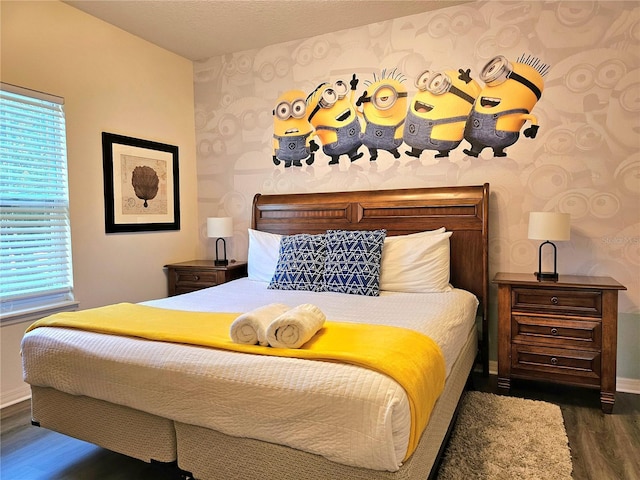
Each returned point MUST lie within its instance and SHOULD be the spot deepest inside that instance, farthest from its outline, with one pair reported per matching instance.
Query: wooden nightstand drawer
(542, 362)
(558, 331)
(571, 302)
(185, 277)
(198, 278)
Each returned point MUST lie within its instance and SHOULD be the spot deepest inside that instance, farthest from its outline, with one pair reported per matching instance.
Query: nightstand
(194, 275)
(564, 331)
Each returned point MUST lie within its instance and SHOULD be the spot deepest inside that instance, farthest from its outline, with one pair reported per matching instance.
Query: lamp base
(547, 276)
(218, 262)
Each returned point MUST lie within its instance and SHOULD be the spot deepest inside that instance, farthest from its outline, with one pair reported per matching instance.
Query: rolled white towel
(251, 327)
(295, 327)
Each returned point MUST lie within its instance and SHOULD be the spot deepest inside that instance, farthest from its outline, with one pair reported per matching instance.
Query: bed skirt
(115, 427)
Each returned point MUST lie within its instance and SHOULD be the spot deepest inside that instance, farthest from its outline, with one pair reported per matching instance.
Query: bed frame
(207, 454)
(462, 210)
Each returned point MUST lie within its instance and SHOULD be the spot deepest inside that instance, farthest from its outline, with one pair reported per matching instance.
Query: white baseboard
(15, 395)
(626, 385)
(493, 367)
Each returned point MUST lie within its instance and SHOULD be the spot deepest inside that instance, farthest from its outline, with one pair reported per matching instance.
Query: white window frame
(36, 272)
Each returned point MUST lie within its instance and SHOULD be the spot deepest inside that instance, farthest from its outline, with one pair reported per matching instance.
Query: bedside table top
(573, 281)
(207, 264)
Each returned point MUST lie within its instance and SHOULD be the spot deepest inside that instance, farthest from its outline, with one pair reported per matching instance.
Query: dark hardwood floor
(603, 447)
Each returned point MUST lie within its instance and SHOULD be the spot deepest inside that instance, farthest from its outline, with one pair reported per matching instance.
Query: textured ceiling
(200, 29)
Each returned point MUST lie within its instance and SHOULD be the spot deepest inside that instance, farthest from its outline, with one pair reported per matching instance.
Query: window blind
(35, 236)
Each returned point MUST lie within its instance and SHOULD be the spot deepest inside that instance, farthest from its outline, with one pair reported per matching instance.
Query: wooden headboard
(461, 210)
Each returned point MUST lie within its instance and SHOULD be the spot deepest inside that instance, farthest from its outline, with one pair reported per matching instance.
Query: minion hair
(535, 63)
(393, 74)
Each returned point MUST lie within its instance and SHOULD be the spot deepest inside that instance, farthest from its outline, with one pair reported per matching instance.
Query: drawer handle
(554, 361)
(554, 331)
(554, 300)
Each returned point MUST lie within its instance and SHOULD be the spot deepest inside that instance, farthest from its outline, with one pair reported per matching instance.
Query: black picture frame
(141, 185)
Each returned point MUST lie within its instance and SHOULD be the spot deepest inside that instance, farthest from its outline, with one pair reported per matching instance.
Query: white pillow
(416, 235)
(263, 253)
(416, 263)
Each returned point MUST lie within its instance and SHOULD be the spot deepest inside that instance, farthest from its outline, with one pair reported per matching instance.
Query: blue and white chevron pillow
(300, 263)
(353, 261)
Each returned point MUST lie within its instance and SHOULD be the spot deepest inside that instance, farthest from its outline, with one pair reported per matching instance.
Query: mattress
(348, 414)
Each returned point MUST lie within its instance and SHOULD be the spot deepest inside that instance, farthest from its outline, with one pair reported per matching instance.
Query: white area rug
(502, 438)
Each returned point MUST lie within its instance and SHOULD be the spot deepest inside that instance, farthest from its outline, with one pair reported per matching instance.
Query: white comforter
(346, 413)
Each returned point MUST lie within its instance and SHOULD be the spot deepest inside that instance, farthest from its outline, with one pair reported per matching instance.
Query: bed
(159, 401)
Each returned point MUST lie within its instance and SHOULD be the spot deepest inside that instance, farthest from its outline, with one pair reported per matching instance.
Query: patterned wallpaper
(584, 160)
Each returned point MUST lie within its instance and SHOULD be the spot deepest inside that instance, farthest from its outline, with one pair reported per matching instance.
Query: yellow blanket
(410, 358)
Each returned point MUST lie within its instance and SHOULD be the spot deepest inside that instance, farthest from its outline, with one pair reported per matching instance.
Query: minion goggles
(296, 109)
(330, 96)
(439, 84)
(373, 98)
(499, 69)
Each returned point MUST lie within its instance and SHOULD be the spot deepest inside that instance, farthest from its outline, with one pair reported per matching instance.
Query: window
(35, 238)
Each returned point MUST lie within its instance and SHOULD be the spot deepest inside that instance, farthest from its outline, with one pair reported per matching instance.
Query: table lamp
(220, 227)
(548, 226)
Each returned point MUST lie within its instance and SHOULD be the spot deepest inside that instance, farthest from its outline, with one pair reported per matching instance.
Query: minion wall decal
(384, 112)
(438, 111)
(333, 115)
(292, 131)
(449, 106)
(504, 104)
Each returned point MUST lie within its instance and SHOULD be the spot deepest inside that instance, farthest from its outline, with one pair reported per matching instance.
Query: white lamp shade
(549, 226)
(218, 227)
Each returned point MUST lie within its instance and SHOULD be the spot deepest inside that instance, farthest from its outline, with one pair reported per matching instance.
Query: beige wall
(115, 82)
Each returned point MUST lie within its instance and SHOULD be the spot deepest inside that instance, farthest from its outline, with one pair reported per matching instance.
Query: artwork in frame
(141, 191)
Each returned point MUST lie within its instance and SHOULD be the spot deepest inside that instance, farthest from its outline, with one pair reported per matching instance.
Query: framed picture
(140, 185)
